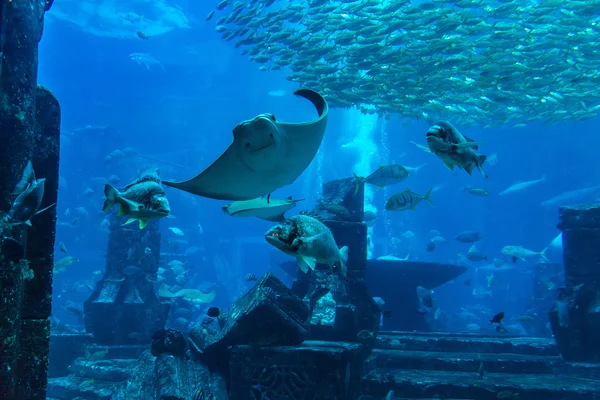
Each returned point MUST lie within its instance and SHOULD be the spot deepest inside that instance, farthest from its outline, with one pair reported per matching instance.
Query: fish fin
(121, 211)
(111, 196)
(289, 198)
(27, 177)
(44, 209)
(143, 223)
(466, 145)
(306, 263)
(27, 223)
(480, 160)
(449, 165)
(359, 180)
(344, 261)
(469, 168)
(129, 221)
(467, 188)
(426, 197)
(543, 254)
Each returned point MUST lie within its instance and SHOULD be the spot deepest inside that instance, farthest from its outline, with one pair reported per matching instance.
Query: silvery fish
(383, 176)
(310, 241)
(454, 149)
(406, 200)
(30, 193)
(142, 199)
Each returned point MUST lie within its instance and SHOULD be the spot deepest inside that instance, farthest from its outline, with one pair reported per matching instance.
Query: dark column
(349, 308)
(575, 316)
(29, 130)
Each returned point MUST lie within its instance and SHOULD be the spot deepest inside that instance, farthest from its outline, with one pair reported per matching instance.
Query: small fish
(525, 318)
(389, 395)
(521, 253)
(142, 35)
(430, 248)
(477, 191)
(30, 193)
(213, 312)
(142, 200)
(201, 394)
(469, 237)
(250, 277)
(406, 200)
(62, 247)
(383, 176)
(497, 319)
(176, 231)
(521, 185)
(475, 256)
(267, 209)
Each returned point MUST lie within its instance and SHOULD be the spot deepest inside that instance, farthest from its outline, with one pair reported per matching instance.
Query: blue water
(184, 114)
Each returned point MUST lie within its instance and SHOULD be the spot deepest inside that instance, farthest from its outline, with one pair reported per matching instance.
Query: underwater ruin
(322, 336)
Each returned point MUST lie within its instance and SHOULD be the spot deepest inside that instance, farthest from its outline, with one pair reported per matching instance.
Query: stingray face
(259, 137)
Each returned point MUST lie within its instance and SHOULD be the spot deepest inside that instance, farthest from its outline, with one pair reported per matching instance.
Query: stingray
(265, 155)
(267, 209)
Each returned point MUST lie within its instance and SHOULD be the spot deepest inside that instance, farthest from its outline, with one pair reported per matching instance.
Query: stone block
(312, 370)
(341, 201)
(269, 314)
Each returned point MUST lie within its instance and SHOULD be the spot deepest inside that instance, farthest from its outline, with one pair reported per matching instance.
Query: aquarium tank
(299, 199)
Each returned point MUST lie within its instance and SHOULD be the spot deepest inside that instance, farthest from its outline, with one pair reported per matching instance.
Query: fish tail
(467, 188)
(344, 261)
(543, 254)
(426, 197)
(359, 180)
(111, 197)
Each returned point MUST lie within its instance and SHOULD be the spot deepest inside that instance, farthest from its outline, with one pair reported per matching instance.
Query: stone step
(462, 362)
(582, 370)
(71, 387)
(422, 384)
(114, 370)
(466, 343)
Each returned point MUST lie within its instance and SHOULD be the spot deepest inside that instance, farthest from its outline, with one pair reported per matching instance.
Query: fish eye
(272, 117)
(270, 134)
(248, 144)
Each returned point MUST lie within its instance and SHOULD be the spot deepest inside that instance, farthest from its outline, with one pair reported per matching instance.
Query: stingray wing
(228, 178)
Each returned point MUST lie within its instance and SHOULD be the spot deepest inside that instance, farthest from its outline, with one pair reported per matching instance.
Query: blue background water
(195, 105)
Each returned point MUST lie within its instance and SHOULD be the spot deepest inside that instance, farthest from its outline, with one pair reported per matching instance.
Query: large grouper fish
(141, 200)
(311, 242)
(265, 155)
(454, 149)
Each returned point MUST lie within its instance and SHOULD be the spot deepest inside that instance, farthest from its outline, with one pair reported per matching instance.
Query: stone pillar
(348, 308)
(124, 308)
(575, 316)
(29, 130)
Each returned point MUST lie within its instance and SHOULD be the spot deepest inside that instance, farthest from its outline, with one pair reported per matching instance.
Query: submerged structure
(276, 342)
(29, 131)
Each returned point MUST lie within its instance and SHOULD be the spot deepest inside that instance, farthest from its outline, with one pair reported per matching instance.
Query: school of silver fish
(476, 62)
